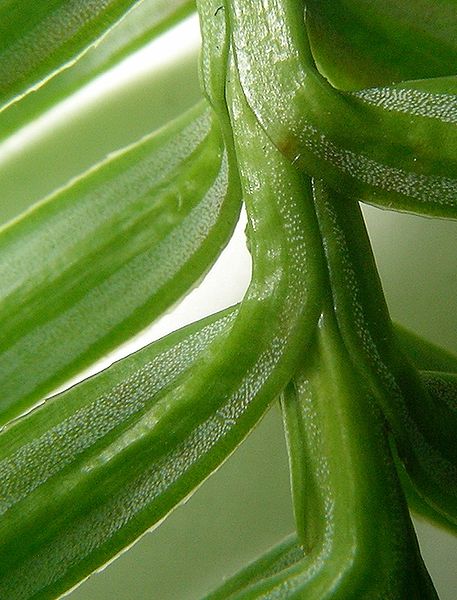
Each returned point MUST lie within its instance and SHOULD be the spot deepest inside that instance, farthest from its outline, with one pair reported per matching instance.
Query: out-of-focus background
(245, 507)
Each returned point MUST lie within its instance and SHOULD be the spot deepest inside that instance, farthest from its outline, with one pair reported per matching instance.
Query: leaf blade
(184, 431)
(122, 243)
(139, 26)
(367, 44)
(393, 159)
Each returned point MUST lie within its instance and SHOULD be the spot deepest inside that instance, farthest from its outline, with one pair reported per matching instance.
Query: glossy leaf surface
(139, 26)
(89, 471)
(124, 472)
(359, 44)
(102, 257)
(423, 425)
(394, 148)
(40, 39)
(355, 537)
(38, 160)
(72, 494)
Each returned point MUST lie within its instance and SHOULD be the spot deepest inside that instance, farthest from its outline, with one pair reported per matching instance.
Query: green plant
(300, 130)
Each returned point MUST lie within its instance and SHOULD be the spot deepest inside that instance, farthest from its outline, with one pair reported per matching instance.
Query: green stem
(398, 159)
(423, 425)
(65, 518)
(356, 538)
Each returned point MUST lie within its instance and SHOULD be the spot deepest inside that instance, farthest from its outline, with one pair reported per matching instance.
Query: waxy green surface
(139, 26)
(359, 44)
(422, 423)
(394, 147)
(119, 245)
(181, 435)
(355, 538)
(42, 38)
(92, 469)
